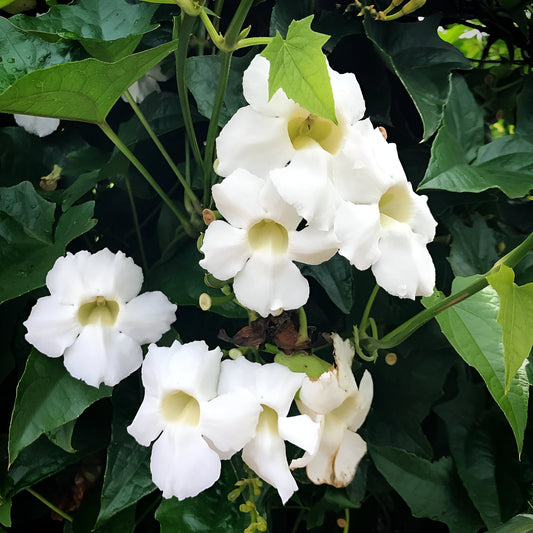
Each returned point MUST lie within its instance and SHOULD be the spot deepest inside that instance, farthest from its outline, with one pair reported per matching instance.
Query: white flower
(191, 423)
(267, 134)
(335, 397)
(95, 317)
(258, 244)
(40, 126)
(274, 386)
(390, 235)
(147, 84)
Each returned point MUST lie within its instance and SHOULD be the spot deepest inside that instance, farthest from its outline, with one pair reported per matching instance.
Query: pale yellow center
(395, 206)
(99, 311)
(269, 237)
(268, 421)
(305, 130)
(180, 407)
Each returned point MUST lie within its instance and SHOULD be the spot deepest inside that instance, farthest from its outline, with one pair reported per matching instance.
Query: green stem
(189, 192)
(213, 123)
(302, 329)
(347, 521)
(104, 126)
(234, 29)
(136, 222)
(185, 30)
(50, 505)
(217, 39)
(366, 313)
(406, 329)
(252, 41)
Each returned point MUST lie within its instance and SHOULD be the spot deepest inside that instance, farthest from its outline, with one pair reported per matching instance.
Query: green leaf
(41, 459)
(181, 278)
(521, 523)
(431, 490)
(127, 476)
(473, 249)
(21, 54)
(27, 250)
(298, 66)
(62, 436)
(336, 278)
(5, 512)
(472, 449)
(400, 411)
(47, 397)
(515, 318)
(464, 178)
(107, 30)
(472, 329)
(504, 163)
(73, 91)
(210, 511)
(202, 79)
(425, 71)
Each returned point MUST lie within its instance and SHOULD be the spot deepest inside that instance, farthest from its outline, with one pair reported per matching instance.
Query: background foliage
(449, 444)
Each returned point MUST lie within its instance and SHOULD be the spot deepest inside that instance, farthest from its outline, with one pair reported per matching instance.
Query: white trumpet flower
(274, 387)
(269, 132)
(258, 244)
(188, 421)
(96, 318)
(335, 398)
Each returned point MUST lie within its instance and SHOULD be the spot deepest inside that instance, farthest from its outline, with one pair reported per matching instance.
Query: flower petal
(344, 354)
(275, 208)
(255, 142)
(191, 368)
(114, 276)
(350, 452)
(304, 183)
(146, 317)
(236, 374)
(102, 354)
(358, 229)
(267, 284)
(312, 246)
(277, 385)
(349, 102)
(421, 222)
(148, 422)
(405, 268)
(65, 280)
(143, 87)
(364, 400)
(238, 198)
(266, 456)
(40, 126)
(320, 464)
(52, 327)
(182, 463)
(322, 395)
(255, 89)
(229, 420)
(301, 431)
(225, 248)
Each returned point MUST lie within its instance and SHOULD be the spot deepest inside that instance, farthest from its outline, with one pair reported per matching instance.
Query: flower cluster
(197, 409)
(293, 177)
